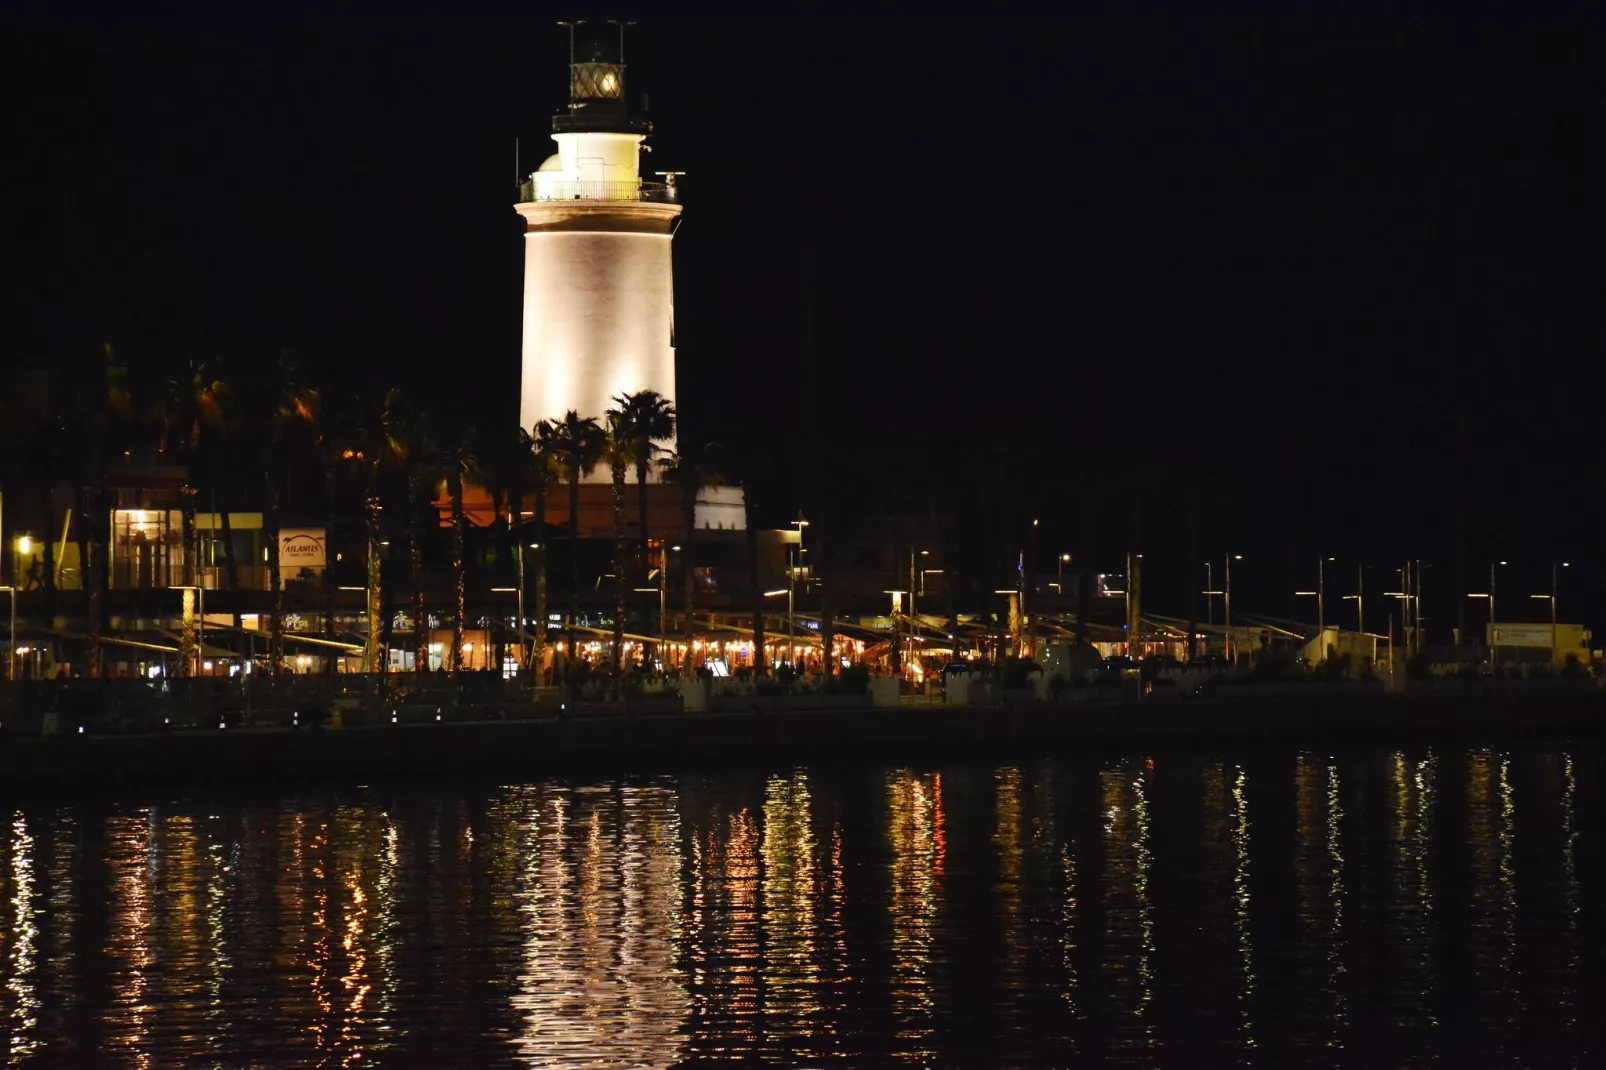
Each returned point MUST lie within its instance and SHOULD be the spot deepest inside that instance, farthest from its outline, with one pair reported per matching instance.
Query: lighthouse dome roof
(552, 163)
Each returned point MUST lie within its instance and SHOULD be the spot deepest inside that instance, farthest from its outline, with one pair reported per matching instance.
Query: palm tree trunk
(501, 514)
(186, 495)
(688, 522)
(371, 652)
(758, 597)
(86, 574)
(415, 569)
(504, 569)
(50, 576)
(618, 470)
(1085, 589)
(538, 650)
(231, 567)
(230, 563)
(96, 569)
(515, 554)
(574, 562)
(186, 634)
(47, 582)
(387, 606)
(454, 488)
(827, 619)
(275, 579)
(331, 489)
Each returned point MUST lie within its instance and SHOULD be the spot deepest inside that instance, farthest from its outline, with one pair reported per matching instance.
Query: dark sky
(1281, 259)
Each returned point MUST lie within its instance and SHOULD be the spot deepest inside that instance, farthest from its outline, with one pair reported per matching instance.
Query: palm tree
(649, 418)
(545, 467)
(106, 416)
(619, 449)
(377, 442)
(190, 408)
(288, 410)
(502, 467)
(691, 470)
(758, 588)
(418, 482)
(578, 443)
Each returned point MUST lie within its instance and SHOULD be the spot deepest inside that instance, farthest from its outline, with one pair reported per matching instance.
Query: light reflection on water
(1281, 909)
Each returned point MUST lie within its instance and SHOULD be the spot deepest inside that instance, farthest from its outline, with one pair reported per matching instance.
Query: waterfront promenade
(524, 738)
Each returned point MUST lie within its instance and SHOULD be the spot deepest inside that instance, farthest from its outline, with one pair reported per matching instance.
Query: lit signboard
(301, 548)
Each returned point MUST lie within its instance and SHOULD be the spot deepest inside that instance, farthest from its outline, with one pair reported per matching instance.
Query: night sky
(1276, 263)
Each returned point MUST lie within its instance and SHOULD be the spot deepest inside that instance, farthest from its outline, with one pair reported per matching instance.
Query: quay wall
(586, 740)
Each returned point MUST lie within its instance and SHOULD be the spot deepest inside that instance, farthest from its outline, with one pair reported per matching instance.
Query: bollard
(884, 691)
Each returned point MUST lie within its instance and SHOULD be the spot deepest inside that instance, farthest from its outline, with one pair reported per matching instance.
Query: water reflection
(1319, 864)
(1570, 890)
(22, 980)
(1129, 926)
(599, 911)
(914, 906)
(1490, 818)
(1238, 822)
(792, 961)
(1304, 909)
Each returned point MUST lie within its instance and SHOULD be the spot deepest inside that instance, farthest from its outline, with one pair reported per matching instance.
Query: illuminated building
(598, 279)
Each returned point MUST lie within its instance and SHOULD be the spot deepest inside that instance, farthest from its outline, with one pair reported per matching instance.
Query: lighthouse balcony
(654, 192)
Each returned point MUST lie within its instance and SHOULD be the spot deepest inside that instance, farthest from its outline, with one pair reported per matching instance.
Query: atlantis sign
(301, 548)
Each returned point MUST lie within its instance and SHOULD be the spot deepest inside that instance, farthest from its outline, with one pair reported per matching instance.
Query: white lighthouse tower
(599, 309)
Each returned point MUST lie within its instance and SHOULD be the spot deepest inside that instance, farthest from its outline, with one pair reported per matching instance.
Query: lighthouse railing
(657, 192)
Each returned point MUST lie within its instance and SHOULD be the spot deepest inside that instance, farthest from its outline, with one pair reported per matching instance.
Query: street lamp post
(518, 564)
(1410, 589)
(788, 592)
(1321, 600)
(372, 624)
(1232, 647)
(11, 649)
(914, 609)
(897, 627)
(661, 612)
(1491, 590)
(1320, 594)
(800, 523)
(1410, 596)
(1359, 600)
(1551, 597)
(1404, 595)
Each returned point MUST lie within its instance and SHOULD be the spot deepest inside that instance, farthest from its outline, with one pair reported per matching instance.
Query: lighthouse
(599, 308)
